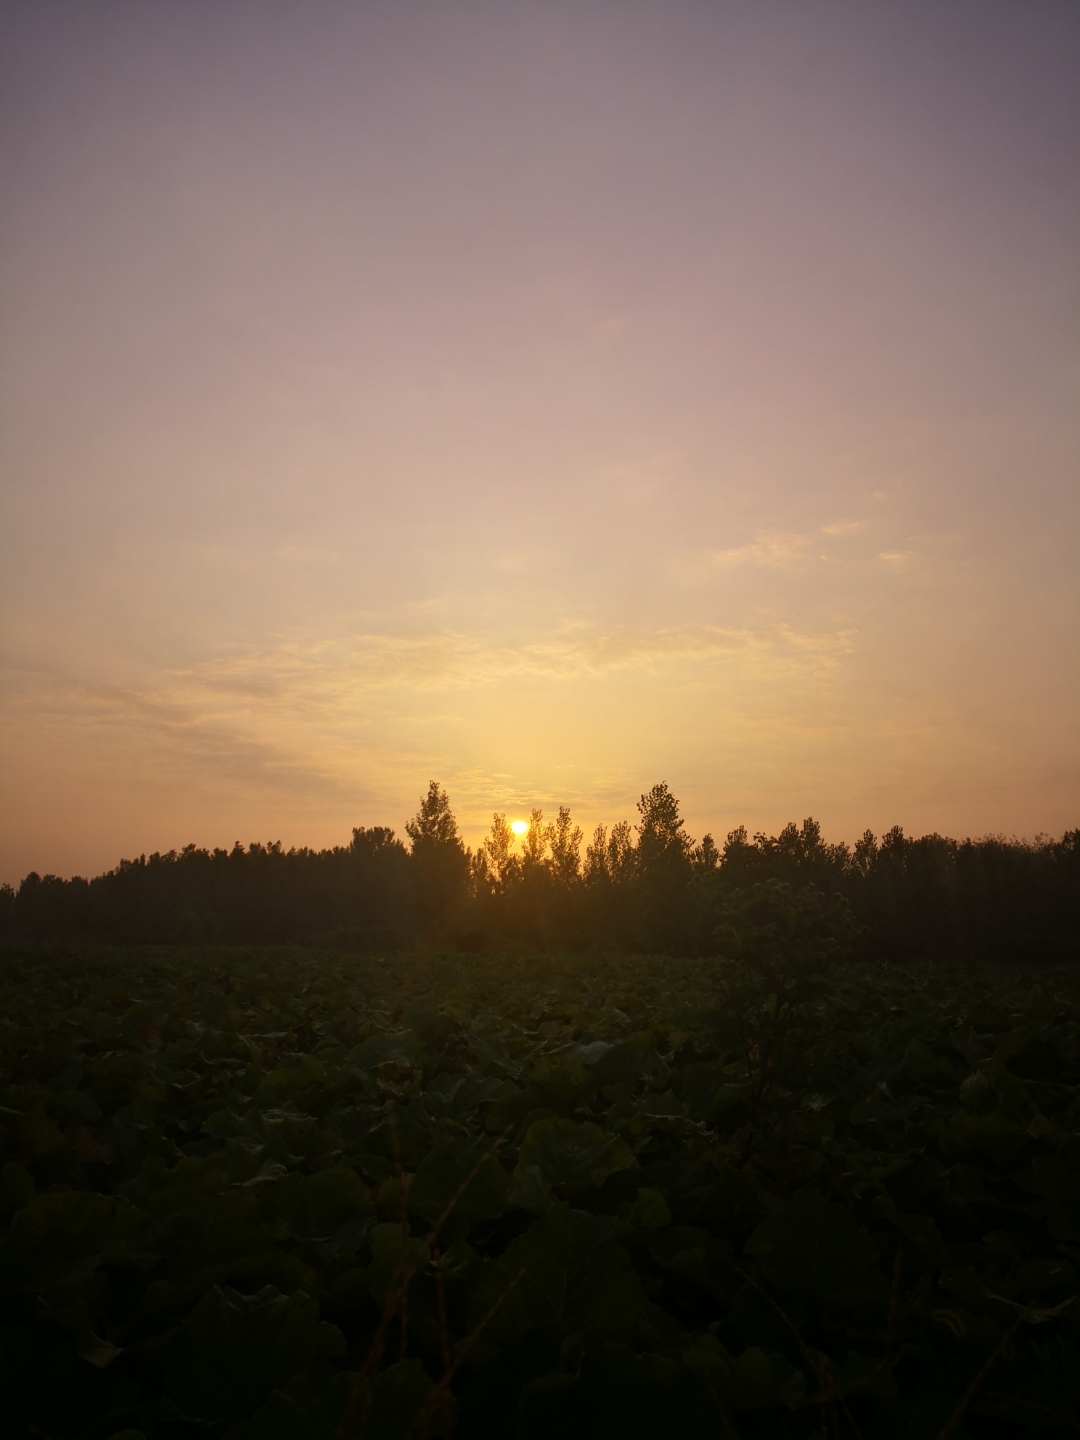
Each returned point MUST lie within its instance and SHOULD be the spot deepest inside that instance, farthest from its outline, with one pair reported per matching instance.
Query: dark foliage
(644, 888)
(775, 1194)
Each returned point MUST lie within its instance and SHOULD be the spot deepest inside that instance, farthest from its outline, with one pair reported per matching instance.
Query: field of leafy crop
(280, 1193)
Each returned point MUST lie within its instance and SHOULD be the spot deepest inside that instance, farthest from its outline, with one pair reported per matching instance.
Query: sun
(519, 826)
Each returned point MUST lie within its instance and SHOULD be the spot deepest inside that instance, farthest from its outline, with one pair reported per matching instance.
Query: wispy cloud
(167, 726)
(449, 660)
(896, 558)
(776, 550)
(843, 527)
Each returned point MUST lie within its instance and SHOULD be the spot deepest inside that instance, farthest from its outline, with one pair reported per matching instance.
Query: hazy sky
(550, 398)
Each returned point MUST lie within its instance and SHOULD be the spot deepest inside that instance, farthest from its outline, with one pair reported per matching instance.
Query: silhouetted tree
(564, 840)
(440, 864)
(380, 884)
(502, 866)
(663, 868)
(535, 842)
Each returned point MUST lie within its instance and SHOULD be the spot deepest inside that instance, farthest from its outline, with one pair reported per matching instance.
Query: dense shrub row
(644, 888)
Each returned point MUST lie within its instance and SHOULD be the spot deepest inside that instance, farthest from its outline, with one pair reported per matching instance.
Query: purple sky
(546, 398)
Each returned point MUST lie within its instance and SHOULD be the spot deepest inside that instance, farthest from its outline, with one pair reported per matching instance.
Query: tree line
(644, 887)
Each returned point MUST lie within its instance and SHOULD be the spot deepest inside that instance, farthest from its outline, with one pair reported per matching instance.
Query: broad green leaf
(620, 1064)
(810, 1246)
(650, 1210)
(388, 1410)
(396, 1257)
(39, 1133)
(431, 1027)
(923, 1235)
(568, 1153)
(400, 1048)
(994, 1136)
(439, 1093)
(16, 1186)
(290, 1413)
(400, 1393)
(491, 1051)
(565, 1273)
(529, 1191)
(60, 1237)
(755, 1380)
(482, 1090)
(227, 1125)
(331, 1205)
(233, 1350)
(288, 1080)
(695, 1258)
(438, 1186)
(1057, 1179)
(513, 1108)
(864, 1376)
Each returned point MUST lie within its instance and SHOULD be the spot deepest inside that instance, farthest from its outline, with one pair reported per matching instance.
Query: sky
(545, 398)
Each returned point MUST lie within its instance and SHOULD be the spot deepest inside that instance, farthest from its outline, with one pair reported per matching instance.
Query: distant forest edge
(637, 888)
